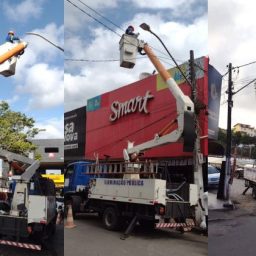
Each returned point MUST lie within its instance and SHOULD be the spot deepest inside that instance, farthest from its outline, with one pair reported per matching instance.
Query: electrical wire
(244, 65)
(105, 24)
(101, 15)
(240, 89)
(88, 14)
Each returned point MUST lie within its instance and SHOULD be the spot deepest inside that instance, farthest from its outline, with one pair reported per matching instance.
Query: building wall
(105, 137)
(244, 128)
(51, 150)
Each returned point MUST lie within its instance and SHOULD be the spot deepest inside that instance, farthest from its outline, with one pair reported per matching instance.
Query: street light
(146, 27)
(35, 34)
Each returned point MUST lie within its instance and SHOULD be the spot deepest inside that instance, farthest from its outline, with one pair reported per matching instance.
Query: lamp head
(145, 26)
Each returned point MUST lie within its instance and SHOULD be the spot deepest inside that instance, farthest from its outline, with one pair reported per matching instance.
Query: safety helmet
(10, 32)
(131, 27)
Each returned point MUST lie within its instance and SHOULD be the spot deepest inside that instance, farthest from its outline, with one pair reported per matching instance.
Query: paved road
(232, 233)
(89, 238)
(56, 247)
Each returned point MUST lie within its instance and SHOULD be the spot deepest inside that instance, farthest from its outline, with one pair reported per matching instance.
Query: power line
(111, 60)
(244, 86)
(103, 23)
(244, 65)
(88, 14)
(240, 66)
(101, 15)
(118, 33)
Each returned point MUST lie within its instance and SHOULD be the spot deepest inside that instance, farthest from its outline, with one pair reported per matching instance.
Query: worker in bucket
(11, 38)
(130, 31)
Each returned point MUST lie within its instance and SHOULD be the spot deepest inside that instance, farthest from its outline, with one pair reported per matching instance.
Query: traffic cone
(70, 220)
(59, 219)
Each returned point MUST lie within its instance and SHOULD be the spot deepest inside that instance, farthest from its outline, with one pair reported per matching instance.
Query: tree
(222, 136)
(236, 137)
(16, 129)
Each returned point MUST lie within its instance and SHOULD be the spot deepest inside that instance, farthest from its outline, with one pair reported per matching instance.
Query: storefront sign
(120, 109)
(74, 133)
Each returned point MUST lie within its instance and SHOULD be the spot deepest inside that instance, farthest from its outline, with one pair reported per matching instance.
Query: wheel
(254, 192)
(147, 224)
(111, 218)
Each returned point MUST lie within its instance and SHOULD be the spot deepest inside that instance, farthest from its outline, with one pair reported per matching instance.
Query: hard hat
(11, 32)
(131, 27)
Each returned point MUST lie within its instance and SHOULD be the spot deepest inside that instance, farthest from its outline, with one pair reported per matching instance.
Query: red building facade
(138, 111)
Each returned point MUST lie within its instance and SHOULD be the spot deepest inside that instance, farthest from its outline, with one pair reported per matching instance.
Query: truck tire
(147, 224)
(111, 218)
(76, 205)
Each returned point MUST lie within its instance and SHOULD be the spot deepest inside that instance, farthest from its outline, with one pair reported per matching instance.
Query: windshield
(212, 170)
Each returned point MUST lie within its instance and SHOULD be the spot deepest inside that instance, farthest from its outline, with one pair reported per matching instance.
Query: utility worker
(130, 31)
(11, 37)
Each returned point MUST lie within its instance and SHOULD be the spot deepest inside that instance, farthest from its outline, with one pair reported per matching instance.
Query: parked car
(213, 176)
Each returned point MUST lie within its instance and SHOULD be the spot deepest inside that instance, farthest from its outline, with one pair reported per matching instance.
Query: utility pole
(197, 156)
(229, 133)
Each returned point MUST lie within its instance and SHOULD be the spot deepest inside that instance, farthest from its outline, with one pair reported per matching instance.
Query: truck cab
(77, 179)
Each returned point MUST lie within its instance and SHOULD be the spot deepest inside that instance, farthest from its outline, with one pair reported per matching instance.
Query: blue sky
(37, 88)
(182, 25)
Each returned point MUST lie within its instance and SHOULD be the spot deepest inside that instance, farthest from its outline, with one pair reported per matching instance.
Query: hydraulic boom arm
(129, 46)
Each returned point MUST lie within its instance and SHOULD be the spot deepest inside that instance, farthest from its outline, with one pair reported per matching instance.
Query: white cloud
(75, 20)
(53, 129)
(39, 48)
(13, 99)
(45, 84)
(163, 4)
(39, 71)
(91, 79)
(23, 11)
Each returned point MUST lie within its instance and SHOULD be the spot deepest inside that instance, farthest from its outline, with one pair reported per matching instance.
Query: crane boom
(129, 46)
(9, 53)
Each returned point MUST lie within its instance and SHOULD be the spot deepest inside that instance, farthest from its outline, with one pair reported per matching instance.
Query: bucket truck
(9, 53)
(134, 191)
(27, 202)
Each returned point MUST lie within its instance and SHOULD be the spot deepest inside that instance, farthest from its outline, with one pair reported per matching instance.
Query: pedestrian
(11, 38)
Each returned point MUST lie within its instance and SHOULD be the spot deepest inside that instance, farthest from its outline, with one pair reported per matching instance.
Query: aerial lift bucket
(9, 53)
(128, 50)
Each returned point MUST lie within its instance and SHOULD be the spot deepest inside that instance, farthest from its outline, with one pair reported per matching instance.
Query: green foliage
(246, 150)
(222, 137)
(15, 130)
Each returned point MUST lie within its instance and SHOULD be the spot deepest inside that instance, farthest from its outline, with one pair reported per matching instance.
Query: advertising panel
(74, 134)
(214, 92)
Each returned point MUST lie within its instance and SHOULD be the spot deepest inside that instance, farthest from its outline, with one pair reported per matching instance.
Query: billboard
(74, 134)
(137, 112)
(214, 92)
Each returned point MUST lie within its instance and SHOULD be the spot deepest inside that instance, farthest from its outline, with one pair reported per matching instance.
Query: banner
(214, 94)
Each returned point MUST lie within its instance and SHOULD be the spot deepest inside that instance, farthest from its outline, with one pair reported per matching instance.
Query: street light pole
(146, 27)
(201, 212)
(35, 34)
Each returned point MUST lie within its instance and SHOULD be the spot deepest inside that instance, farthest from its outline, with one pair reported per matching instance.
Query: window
(51, 150)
